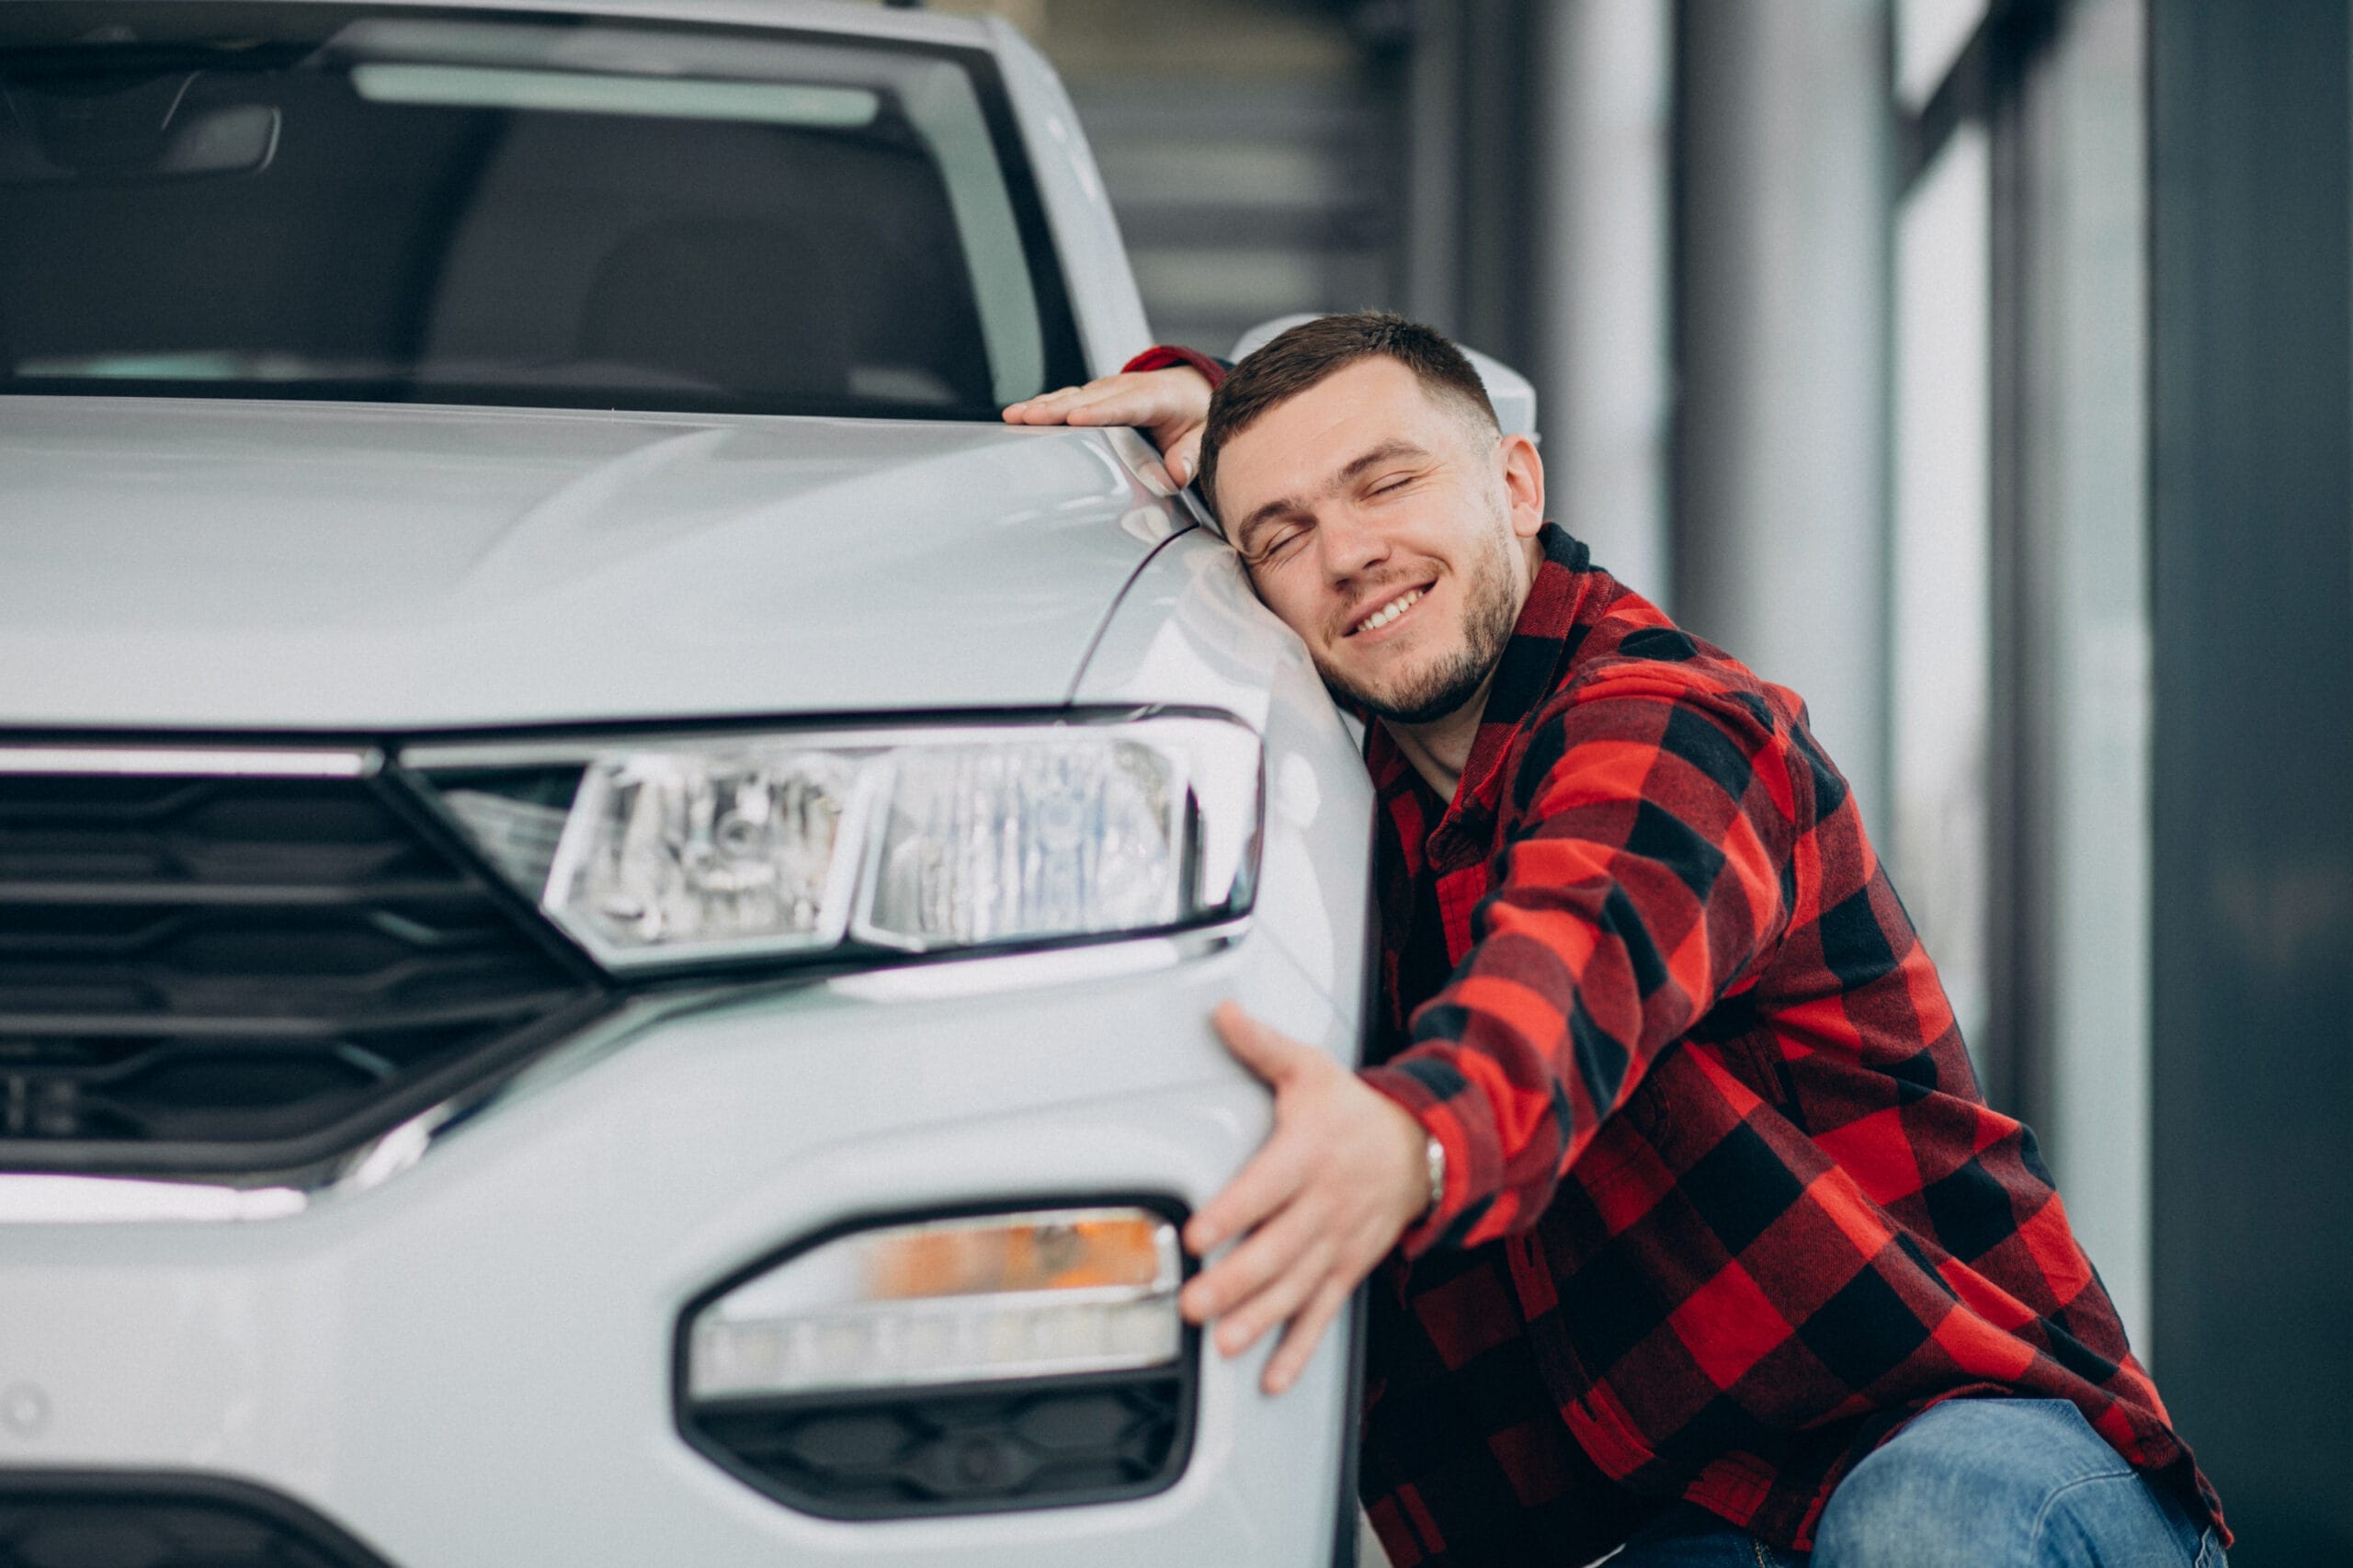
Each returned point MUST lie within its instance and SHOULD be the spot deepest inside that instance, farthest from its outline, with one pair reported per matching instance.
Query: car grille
(1096, 1439)
(59, 1519)
(248, 974)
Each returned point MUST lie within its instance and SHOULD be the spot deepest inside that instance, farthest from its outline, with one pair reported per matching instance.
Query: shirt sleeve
(1164, 355)
(1643, 878)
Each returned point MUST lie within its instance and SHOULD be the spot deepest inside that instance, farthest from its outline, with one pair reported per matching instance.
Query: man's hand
(1171, 406)
(1335, 1185)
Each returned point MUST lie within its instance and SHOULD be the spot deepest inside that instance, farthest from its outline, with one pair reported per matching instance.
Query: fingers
(1183, 458)
(1277, 1301)
(1246, 1272)
(1171, 406)
(1264, 1185)
(1280, 1167)
(1306, 1332)
(1291, 1271)
(1118, 405)
(1108, 400)
(1047, 408)
(1268, 1053)
(1317, 1207)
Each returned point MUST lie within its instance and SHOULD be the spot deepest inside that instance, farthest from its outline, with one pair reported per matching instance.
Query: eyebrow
(1396, 446)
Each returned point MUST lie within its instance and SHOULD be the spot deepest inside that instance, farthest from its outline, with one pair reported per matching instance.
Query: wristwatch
(1434, 1160)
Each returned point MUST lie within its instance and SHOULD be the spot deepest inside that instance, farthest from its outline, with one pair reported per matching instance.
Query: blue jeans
(1971, 1483)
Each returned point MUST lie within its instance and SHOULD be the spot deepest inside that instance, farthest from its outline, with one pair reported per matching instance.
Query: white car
(609, 892)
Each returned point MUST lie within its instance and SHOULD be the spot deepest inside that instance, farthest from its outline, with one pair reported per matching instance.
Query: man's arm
(1165, 392)
(1644, 880)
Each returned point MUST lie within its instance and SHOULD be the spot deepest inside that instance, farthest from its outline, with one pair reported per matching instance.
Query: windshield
(396, 204)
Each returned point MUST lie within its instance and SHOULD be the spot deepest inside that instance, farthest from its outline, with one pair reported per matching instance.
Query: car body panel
(222, 563)
(470, 1363)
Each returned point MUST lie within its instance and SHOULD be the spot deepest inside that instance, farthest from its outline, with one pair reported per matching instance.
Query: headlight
(735, 847)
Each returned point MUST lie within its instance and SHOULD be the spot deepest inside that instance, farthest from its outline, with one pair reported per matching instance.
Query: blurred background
(1984, 372)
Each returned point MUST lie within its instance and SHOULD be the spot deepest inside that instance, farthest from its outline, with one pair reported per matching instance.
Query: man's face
(1387, 528)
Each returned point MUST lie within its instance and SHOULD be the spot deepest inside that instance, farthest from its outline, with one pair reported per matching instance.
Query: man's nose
(1352, 545)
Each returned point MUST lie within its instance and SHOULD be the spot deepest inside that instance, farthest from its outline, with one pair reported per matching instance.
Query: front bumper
(471, 1360)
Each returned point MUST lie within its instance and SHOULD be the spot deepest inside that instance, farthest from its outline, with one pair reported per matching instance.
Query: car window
(331, 202)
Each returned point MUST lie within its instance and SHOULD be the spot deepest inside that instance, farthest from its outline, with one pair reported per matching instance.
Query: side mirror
(1511, 392)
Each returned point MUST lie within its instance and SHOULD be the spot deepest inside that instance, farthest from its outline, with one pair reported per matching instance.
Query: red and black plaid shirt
(1723, 1205)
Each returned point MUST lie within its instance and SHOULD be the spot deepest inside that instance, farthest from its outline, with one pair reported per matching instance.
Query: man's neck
(1440, 749)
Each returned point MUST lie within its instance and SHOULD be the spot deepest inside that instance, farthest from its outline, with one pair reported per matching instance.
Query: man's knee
(1970, 1484)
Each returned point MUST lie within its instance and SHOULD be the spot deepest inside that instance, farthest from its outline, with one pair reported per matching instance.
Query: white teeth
(1389, 611)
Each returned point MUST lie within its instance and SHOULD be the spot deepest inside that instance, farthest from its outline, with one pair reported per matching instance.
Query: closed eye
(1285, 541)
(1276, 543)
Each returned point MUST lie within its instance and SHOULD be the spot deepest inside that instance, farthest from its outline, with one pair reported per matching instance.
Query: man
(1699, 1231)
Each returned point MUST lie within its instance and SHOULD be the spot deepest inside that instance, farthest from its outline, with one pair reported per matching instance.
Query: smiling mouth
(1390, 611)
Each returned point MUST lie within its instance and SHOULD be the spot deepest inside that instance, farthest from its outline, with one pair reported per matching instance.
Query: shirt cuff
(1165, 357)
(1468, 1177)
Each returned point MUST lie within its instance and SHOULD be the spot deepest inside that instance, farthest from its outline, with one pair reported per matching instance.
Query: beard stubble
(1421, 697)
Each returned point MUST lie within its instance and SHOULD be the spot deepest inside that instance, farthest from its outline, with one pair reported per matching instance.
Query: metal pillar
(1601, 355)
(1538, 181)
(1470, 173)
(2067, 1045)
(1780, 487)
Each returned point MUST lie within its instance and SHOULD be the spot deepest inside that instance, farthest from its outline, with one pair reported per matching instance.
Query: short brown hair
(1313, 350)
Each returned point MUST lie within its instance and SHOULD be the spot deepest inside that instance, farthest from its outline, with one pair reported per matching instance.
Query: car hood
(228, 564)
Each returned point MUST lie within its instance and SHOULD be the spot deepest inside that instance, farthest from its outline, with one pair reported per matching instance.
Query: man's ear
(1523, 474)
